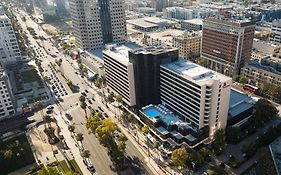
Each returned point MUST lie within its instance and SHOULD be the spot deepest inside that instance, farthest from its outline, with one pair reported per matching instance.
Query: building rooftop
(120, 53)
(239, 103)
(156, 20)
(195, 21)
(154, 50)
(141, 22)
(275, 150)
(195, 72)
(166, 35)
(230, 22)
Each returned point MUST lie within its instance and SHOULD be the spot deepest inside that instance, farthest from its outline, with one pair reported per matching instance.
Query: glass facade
(105, 18)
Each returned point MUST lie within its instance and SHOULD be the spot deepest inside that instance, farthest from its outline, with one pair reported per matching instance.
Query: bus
(250, 88)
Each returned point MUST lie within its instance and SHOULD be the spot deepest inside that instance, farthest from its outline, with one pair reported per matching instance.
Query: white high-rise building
(120, 73)
(9, 48)
(96, 23)
(6, 101)
(198, 94)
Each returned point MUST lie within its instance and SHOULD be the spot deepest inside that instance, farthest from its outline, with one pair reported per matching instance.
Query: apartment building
(259, 70)
(9, 48)
(198, 94)
(6, 100)
(188, 44)
(96, 23)
(227, 45)
(275, 37)
(119, 73)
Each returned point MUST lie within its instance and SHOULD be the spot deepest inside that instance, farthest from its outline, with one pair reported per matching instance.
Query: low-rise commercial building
(192, 25)
(241, 107)
(188, 44)
(257, 71)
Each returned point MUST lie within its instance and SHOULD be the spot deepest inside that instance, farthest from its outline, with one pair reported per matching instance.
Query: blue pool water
(152, 113)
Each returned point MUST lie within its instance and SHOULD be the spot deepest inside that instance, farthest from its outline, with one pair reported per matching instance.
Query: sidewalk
(149, 160)
(71, 144)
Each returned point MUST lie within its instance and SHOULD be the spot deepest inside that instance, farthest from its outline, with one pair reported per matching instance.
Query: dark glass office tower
(146, 63)
(105, 19)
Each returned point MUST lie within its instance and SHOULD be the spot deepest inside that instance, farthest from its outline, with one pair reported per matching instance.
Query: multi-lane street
(43, 52)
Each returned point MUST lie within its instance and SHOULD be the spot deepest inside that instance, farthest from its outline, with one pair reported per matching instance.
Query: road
(99, 155)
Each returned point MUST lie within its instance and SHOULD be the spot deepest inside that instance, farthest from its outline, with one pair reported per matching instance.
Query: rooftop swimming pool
(152, 113)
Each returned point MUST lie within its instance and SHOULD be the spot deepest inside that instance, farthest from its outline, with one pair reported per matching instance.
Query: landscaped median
(58, 167)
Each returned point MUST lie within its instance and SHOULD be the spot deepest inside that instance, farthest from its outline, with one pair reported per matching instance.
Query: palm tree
(79, 137)
(156, 145)
(83, 105)
(47, 119)
(86, 154)
(145, 130)
(118, 100)
(71, 128)
(40, 105)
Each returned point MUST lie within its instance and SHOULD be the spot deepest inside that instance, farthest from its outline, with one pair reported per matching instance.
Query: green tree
(47, 170)
(71, 128)
(265, 111)
(145, 130)
(105, 130)
(110, 97)
(47, 119)
(83, 105)
(79, 137)
(8, 154)
(179, 158)
(122, 138)
(201, 61)
(233, 134)
(243, 80)
(121, 146)
(265, 162)
(85, 154)
(216, 170)
(156, 146)
(219, 143)
(82, 98)
(93, 123)
(235, 78)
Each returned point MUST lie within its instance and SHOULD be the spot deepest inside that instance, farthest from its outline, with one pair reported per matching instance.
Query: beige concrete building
(188, 45)
(267, 69)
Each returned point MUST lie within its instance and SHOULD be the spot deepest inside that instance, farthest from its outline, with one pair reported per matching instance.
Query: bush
(233, 162)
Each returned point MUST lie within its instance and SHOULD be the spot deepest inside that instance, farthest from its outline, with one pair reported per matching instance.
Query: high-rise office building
(96, 23)
(146, 62)
(9, 48)
(227, 45)
(119, 73)
(198, 94)
(6, 100)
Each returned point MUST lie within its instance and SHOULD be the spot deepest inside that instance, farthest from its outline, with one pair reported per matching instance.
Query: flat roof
(239, 103)
(194, 71)
(153, 50)
(156, 20)
(232, 22)
(141, 22)
(275, 148)
(120, 53)
(196, 21)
